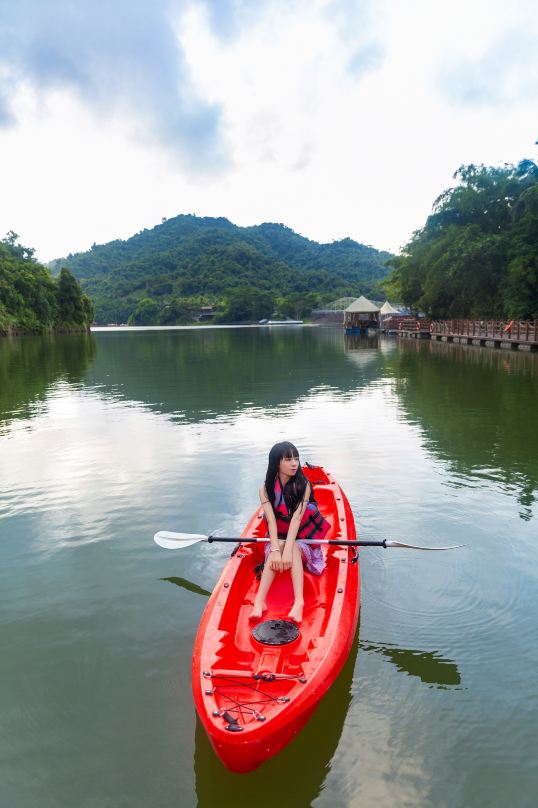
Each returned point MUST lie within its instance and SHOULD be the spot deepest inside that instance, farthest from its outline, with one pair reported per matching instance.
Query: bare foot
(256, 612)
(296, 613)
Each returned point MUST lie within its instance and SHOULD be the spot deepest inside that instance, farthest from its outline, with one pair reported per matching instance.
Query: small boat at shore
(280, 322)
(255, 684)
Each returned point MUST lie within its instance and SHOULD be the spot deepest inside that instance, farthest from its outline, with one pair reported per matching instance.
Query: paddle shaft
(175, 541)
(339, 542)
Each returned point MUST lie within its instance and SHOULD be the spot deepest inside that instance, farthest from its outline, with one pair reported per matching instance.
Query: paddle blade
(177, 541)
(417, 547)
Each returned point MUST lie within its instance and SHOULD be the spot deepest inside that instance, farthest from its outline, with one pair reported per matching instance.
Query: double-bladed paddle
(177, 541)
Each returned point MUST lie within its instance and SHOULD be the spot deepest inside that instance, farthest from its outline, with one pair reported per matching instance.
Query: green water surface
(106, 438)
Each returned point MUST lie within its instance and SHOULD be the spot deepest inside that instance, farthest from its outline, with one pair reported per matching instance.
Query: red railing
(506, 330)
(414, 324)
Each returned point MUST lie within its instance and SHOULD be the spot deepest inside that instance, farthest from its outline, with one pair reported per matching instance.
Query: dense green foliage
(246, 303)
(31, 301)
(477, 254)
(165, 274)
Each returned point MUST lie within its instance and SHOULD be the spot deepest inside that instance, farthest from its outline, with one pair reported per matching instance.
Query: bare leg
(297, 577)
(259, 601)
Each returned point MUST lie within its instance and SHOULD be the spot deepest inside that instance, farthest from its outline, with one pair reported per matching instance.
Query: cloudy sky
(336, 117)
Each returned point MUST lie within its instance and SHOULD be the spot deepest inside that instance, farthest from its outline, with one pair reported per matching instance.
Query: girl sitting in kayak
(292, 515)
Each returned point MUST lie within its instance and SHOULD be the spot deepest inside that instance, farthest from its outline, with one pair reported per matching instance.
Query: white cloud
(336, 118)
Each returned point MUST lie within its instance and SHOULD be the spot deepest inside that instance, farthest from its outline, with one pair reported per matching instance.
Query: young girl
(291, 514)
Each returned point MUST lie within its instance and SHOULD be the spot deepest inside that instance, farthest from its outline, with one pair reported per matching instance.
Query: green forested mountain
(31, 301)
(477, 254)
(164, 274)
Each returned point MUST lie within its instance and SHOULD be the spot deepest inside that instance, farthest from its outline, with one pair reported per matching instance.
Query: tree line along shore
(475, 257)
(32, 301)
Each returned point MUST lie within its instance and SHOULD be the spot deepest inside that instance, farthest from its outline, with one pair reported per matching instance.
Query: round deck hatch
(276, 632)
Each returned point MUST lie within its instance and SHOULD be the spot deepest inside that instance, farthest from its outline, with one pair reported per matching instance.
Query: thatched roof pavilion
(361, 315)
(387, 309)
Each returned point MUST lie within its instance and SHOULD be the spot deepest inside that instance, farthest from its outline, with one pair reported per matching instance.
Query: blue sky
(337, 118)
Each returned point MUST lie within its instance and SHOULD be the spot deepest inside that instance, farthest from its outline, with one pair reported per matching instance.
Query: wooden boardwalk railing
(414, 324)
(416, 327)
(495, 333)
(504, 330)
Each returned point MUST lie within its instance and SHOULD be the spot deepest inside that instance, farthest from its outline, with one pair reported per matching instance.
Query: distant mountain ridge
(190, 258)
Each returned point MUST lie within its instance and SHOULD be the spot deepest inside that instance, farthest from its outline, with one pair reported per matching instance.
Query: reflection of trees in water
(201, 374)
(193, 375)
(476, 407)
(511, 362)
(29, 366)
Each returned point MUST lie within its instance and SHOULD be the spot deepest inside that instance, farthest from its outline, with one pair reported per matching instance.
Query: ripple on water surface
(171, 431)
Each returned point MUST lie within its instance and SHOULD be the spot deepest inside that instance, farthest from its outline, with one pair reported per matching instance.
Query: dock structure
(361, 316)
(513, 334)
(414, 327)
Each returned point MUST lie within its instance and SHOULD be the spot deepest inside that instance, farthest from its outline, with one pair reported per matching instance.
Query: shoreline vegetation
(202, 325)
(476, 257)
(32, 301)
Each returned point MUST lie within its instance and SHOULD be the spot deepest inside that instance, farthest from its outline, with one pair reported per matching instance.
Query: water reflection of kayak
(311, 752)
(256, 686)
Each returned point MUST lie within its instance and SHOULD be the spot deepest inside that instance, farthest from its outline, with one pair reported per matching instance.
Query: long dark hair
(295, 488)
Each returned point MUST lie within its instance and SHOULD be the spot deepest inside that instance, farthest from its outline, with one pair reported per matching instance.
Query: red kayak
(256, 684)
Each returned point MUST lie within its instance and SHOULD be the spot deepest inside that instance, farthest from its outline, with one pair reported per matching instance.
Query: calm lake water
(105, 439)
